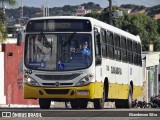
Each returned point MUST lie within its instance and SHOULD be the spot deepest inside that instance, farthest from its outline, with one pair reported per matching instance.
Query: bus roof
(97, 23)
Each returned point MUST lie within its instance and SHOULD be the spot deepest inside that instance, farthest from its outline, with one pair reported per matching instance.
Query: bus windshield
(58, 51)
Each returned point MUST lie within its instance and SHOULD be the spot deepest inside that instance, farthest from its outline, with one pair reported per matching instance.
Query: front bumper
(31, 92)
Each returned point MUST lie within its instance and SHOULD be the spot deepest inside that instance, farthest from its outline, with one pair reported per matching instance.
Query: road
(79, 114)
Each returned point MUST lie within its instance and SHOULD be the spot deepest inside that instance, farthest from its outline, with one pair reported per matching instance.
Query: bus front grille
(58, 77)
(49, 91)
(53, 84)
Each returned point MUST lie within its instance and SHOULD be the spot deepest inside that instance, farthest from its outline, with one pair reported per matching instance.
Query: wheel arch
(131, 85)
(106, 87)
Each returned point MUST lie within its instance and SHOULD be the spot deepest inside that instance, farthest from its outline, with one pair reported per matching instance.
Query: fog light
(83, 92)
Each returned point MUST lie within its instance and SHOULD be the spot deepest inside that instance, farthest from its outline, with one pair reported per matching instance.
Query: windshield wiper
(46, 43)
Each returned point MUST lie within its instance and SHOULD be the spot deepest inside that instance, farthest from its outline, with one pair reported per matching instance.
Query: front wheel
(74, 104)
(67, 104)
(83, 104)
(44, 103)
(99, 103)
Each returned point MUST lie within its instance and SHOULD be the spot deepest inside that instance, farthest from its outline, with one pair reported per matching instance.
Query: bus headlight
(84, 81)
(31, 81)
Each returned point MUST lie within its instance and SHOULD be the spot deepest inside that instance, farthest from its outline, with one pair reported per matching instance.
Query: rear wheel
(119, 104)
(44, 103)
(128, 102)
(99, 103)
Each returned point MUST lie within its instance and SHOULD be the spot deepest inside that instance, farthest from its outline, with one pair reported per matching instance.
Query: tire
(44, 103)
(119, 104)
(128, 102)
(83, 104)
(99, 103)
(74, 104)
(67, 104)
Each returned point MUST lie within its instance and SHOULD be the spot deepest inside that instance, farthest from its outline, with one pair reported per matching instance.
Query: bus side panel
(122, 91)
(106, 73)
(98, 89)
(137, 82)
(98, 82)
(122, 74)
(106, 70)
(137, 91)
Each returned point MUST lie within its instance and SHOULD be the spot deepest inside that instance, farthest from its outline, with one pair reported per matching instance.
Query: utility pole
(21, 12)
(45, 9)
(110, 12)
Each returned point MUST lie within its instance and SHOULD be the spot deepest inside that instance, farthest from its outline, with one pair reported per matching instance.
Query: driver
(85, 50)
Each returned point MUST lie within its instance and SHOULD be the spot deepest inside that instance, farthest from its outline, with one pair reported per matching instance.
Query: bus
(79, 60)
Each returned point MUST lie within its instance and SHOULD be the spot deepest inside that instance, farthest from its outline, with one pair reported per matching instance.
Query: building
(127, 10)
(151, 74)
(11, 87)
(81, 11)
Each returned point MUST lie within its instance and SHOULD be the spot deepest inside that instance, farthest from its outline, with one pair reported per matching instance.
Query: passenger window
(117, 51)
(110, 42)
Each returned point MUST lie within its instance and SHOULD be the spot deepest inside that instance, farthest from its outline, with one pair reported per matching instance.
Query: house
(81, 11)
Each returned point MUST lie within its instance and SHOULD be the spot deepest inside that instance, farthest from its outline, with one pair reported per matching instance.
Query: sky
(102, 3)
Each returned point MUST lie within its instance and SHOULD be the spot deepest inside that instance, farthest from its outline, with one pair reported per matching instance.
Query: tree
(3, 30)
(142, 25)
(94, 14)
(9, 2)
(137, 24)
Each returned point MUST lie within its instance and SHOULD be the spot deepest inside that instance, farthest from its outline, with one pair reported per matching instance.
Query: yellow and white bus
(80, 59)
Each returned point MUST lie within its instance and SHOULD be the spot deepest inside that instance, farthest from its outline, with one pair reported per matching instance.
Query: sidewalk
(54, 105)
(19, 106)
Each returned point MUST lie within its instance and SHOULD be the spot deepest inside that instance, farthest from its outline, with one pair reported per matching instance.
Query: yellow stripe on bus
(120, 91)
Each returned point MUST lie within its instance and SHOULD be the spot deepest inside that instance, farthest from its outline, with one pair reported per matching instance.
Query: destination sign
(52, 26)
(59, 25)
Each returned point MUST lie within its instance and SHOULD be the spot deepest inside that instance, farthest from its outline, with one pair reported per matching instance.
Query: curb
(19, 106)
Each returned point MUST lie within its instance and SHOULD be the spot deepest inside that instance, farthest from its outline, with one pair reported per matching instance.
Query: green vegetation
(153, 10)
(142, 25)
(91, 6)
(133, 7)
(3, 30)
(138, 24)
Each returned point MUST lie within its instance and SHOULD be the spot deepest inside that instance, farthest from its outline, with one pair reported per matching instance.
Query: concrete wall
(2, 97)
(13, 77)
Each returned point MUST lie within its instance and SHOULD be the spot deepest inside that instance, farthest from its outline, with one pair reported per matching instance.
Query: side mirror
(98, 60)
(19, 39)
